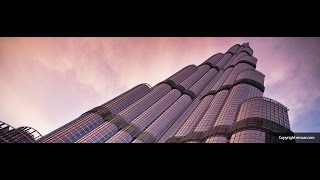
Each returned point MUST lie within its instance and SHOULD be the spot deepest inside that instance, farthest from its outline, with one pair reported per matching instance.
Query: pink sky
(47, 82)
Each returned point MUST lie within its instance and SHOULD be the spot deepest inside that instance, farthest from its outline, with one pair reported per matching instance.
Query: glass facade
(218, 101)
(221, 80)
(231, 60)
(234, 49)
(217, 139)
(248, 59)
(201, 84)
(195, 76)
(90, 120)
(264, 108)
(147, 117)
(73, 133)
(195, 116)
(237, 58)
(210, 116)
(238, 94)
(248, 136)
(235, 72)
(224, 60)
(210, 84)
(192, 141)
(179, 122)
(162, 123)
(109, 128)
(251, 75)
(183, 74)
(213, 60)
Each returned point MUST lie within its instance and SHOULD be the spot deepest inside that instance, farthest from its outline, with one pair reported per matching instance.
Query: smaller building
(9, 134)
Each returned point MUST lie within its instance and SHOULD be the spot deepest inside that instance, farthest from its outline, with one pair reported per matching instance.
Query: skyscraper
(219, 101)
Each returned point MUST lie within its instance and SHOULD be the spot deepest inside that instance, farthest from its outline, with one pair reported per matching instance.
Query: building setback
(219, 101)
